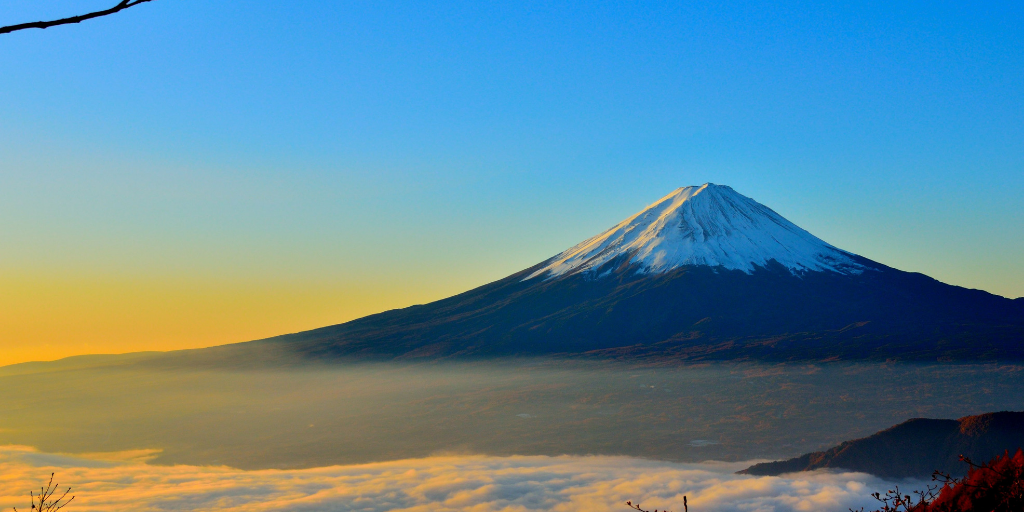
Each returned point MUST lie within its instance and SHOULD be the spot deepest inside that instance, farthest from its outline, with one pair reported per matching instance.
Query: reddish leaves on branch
(994, 487)
(997, 486)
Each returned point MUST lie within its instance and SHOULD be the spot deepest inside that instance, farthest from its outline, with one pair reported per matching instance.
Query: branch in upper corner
(122, 5)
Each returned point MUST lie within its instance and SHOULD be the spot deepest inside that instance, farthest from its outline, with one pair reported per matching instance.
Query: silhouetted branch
(996, 486)
(122, 5)
(895, 501)
(636, 506)
(46, 501)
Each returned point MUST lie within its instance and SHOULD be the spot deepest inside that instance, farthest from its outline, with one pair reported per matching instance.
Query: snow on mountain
(710, 225)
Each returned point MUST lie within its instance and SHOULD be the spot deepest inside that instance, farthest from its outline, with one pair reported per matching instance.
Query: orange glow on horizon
(45, 318)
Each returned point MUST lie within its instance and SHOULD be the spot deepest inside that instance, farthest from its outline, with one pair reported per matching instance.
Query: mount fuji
(704, 273)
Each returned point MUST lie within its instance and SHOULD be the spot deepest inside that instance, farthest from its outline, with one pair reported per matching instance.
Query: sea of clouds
(441, 483)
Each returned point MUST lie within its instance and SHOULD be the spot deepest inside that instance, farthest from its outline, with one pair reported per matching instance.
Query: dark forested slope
(915, 448)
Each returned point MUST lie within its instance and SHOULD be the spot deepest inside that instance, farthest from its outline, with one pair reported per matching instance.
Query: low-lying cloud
(442, 483)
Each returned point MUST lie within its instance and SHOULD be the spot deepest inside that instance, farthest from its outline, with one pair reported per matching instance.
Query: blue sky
(426, 149)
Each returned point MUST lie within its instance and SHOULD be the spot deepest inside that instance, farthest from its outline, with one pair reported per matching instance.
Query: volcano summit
(710, 225)
(704, 273)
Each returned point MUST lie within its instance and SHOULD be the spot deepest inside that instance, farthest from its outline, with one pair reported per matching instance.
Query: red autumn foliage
(994, 487)
(997, 486)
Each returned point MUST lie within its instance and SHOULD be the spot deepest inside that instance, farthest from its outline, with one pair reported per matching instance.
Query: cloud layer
(448, 483)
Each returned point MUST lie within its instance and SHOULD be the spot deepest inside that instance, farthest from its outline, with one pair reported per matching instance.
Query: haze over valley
(307, 416)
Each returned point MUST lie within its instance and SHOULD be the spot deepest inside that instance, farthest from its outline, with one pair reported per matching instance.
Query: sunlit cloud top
(444, 483)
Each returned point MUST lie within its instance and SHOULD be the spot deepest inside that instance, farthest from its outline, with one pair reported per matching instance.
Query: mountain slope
(914, 448)
(704, 273)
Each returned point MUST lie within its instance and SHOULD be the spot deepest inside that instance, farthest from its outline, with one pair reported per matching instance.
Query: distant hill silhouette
(914, 448)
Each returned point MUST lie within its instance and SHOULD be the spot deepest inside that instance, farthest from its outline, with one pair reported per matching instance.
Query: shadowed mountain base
(691, 313)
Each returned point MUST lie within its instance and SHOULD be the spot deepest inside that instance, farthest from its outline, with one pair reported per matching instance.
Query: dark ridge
(689, 314)
(914, 448)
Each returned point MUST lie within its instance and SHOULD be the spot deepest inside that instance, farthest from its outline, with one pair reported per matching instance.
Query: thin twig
(636, 506)
(122, 5)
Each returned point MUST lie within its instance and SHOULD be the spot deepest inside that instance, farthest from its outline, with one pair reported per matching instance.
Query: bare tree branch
(122, 5)
(46, 501)
(636, 506)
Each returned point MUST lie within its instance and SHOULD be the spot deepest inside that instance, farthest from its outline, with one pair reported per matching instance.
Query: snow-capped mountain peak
(709, 225)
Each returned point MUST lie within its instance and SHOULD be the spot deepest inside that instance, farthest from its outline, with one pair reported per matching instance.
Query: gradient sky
(189, 173)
